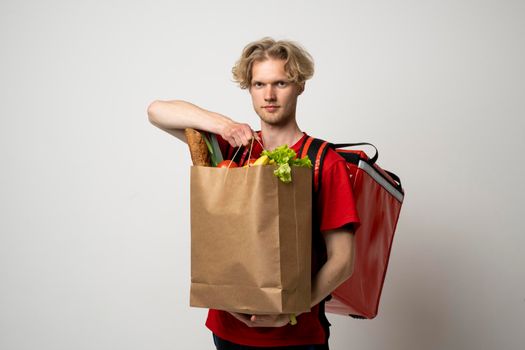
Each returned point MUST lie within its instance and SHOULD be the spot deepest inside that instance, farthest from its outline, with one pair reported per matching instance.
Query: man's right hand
(237, 134)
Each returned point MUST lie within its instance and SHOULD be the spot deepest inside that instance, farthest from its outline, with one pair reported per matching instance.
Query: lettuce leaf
(284, 158)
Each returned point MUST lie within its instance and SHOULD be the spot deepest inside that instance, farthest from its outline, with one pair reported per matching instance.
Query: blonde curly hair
(299, 65)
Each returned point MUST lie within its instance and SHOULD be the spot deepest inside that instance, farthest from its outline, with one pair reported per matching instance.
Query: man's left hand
(263, 320)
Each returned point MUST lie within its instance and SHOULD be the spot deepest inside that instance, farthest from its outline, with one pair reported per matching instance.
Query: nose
(269, 93)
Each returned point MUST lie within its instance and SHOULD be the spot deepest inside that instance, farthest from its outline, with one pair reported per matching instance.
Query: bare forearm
(178, 115)
(175, 116)
(338, 267)
(327, 279)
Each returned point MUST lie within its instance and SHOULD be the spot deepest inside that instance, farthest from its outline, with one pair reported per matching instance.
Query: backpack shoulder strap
(315, 149)
(371, 160)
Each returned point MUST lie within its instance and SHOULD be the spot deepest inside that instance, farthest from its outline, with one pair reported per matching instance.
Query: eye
(282, 84)
(257, 84)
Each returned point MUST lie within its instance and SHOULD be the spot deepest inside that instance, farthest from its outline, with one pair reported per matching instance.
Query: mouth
(271, 108)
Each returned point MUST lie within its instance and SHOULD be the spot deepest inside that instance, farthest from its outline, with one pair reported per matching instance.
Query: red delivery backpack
(378, 197)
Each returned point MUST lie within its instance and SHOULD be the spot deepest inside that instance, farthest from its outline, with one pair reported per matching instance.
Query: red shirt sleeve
(336, 205)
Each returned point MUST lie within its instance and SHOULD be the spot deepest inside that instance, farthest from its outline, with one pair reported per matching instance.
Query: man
(274, 72)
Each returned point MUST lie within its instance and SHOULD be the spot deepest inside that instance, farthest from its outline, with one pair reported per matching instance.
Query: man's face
(274, 97)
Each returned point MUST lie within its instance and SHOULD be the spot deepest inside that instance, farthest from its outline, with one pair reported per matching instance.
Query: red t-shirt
(335, 208)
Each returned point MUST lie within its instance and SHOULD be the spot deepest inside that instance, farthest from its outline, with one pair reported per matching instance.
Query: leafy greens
(285, 157)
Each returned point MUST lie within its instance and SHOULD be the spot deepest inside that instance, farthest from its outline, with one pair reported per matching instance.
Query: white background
(94, 221)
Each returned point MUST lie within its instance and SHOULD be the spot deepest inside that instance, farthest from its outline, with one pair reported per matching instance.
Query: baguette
(199, 151)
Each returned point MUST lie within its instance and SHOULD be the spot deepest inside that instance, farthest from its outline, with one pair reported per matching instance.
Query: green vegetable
(213, 148)
(285, 157)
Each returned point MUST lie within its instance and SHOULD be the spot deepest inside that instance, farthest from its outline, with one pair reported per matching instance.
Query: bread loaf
(198, 149)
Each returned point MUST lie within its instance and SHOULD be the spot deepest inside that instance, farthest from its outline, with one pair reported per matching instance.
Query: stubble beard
(274, 119)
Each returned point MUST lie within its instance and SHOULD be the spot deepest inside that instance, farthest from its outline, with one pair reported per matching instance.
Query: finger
(233, 140)
(243, 139)
(230, 140)
(238, 140)
(246, 141)
(249, 134)
(237, 315)
(242, 318)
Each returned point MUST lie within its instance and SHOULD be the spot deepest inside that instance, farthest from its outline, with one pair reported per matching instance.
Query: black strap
(344, 145)
(357, 317)
(313, 153)
(395, 178)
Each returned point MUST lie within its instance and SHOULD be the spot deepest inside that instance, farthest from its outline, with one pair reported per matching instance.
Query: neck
(274, 136)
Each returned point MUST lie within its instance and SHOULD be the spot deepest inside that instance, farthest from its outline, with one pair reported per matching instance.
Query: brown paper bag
(250, 240)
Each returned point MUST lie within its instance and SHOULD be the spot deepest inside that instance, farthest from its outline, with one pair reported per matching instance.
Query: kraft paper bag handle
(230, 163)
(249, 154)
(256, 136)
